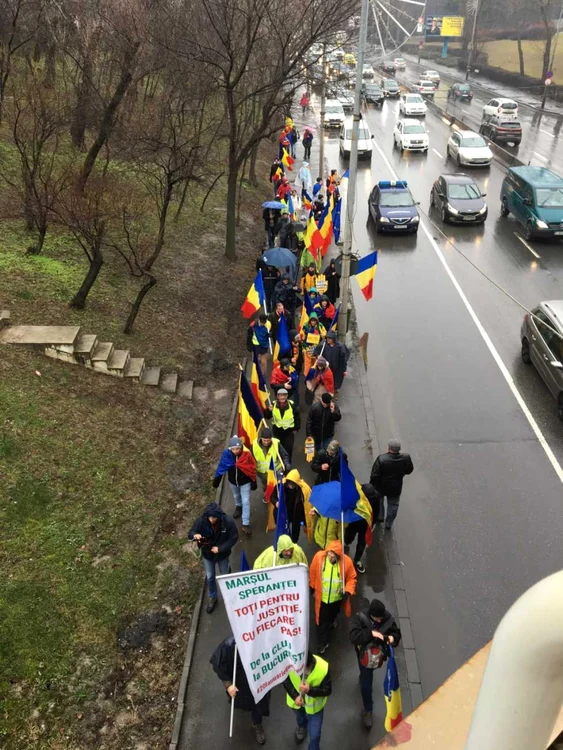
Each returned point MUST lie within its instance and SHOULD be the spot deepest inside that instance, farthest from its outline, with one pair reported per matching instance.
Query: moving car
(392, 207)
(411, 135)
(368, 73)
(431, 75)
(388, 66)
(460, 92)
(541, 336)
(508, 108)
(334, 114)
(425, 88)
(535, 196)
(390, 88)
(400, 63)
(413, 104)
(373, 93)
(346, 99)
(470, 148)
(458, 199)
(500, 130)
(364, 140)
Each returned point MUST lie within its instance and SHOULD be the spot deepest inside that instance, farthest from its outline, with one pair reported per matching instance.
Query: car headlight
(541, 224)
(482, 210)
(384, 220)
(415, 219)
(452, 210)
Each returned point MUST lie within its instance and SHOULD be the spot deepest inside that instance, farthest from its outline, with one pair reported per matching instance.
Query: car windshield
(332, 109)
(414, 129)
(550, 197)
(473, 141)
(464, 87)
(390, 84)
(468, 191)
(363, 134)
(397, 199)
(415, 99)
(373, 88)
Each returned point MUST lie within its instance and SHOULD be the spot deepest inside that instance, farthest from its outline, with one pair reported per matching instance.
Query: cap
(235, 442)
(326, 398)
(394, 445)
(283, 392)
(376, 608)
(266, 432)
(331, 335)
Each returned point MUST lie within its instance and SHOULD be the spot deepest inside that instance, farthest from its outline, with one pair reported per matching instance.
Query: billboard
(446, 26)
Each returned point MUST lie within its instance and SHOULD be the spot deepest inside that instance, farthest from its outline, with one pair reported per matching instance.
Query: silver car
(542, 345)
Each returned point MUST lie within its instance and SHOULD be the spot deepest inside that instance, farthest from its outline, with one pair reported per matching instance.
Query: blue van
(535, 196)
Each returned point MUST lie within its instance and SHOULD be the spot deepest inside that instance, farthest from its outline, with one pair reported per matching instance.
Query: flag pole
(342, 536)
(266, 309)
(232, 699)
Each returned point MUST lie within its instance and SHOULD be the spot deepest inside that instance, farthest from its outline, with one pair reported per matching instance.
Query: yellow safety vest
(317, 675)
(263, 459)
(285, 420)
(255, 341)
(332, 582)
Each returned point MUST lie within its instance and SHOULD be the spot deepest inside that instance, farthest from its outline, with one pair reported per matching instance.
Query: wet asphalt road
(480, 519)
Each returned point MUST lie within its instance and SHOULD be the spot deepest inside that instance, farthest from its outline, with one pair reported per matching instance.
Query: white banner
(268, 611)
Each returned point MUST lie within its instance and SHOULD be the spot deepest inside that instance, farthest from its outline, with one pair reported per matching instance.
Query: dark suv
(372, 93)
(541, 336)
(390, 87)
(460, 92)
(500, 130)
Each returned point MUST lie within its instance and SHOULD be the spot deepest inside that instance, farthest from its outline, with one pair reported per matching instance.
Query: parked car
(390, 88)
(541, 337)
(334, 114)
(458, 199)
(500, 130)
(460, 92)
(400, 63)
(508, 108)
(392, 207)
(388, 66)
(534, 195)
(431, 75)
(412, 104)
(373, 93)
(364, 140)
(425, 88)
(470, 148)
(368, 73)
(411, 135)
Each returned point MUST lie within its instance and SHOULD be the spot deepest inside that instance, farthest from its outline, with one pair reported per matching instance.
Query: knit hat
(235, 442)
(283, 392)
(331, 335)
(326, 398)
(376, 608)
(266, 432)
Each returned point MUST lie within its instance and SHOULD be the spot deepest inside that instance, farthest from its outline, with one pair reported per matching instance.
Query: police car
(392, 207)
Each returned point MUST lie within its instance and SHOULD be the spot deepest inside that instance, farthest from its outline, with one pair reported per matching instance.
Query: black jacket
(286, 295)
(273, 169)
(274, 320)
(223, 535)
(336, 357)
(223, 660)
(321, 421)
(361, 627)
(388, 471)
(332, 474)
(296, 415)
(321, 691)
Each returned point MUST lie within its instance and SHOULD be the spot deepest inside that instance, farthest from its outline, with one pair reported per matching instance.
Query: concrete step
(56, 336)
(101, 355)
(4, 318)
(186, 389)
(84, 346)
(169, 383)
(151, 376)
(118, 362)
(135, 368)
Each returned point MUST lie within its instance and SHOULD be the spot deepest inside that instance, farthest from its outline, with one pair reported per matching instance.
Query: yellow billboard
(444, 25)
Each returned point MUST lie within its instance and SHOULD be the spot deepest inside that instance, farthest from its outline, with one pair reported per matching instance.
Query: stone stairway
(69, 344)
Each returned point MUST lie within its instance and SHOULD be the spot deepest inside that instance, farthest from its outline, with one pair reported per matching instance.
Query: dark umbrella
(298, 226)
(279, 257)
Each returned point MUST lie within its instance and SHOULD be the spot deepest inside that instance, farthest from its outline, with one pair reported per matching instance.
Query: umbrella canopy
(312, 128)
(326, 498)
(280, 257)
(274, 204)
(298, 226)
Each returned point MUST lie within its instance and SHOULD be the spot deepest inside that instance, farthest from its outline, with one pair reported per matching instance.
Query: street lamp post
(322, 123)
(473, 35)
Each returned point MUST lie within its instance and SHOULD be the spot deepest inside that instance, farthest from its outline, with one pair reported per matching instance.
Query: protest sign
(268, 611)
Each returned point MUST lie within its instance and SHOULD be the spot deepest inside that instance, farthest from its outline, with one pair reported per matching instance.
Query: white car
(431, 75)
(368, 73)
(506, 108)
(425, 88)
(399, 63)
(411, 135)
(334, 114)
(412, 104)
(470, 148)
(365, 138)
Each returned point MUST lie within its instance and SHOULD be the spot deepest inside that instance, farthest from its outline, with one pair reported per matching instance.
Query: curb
(184, 679)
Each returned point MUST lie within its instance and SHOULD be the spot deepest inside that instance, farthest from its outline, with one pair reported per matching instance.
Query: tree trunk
(96, 263)
(232, 183)
(51, 66)
(520, 54)
(28, 203)
(41, 233)
(163, 215)
(136, 306)
(239, 192)
(252, 173)
(181, 203)
(82, 110)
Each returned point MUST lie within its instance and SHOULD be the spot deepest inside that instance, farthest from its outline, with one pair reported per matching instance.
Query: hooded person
(279, 312)
(307, 143)
(296, 494)
(285, 293)
(265, 448)
(320, 380)
(336, 354)
(314, 298)
(286, 420)
(333, 578)
(284, 189)
(285, 376)
(333, 280)
(312, 333)
(309, 278)
(223, 662)
(288, 553)
(325, 310)
(305, 179)
(276, 173)
(238, 463)
(215, 534)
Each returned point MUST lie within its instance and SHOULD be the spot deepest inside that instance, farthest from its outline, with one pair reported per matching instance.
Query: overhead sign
(444, 26)
(268, 611)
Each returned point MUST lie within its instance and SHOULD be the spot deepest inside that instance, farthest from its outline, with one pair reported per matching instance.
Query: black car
(460, 92)
(390, 87)
(373, 93)
(388, 66)
(500, 130)
(458, 199)
(392, 207)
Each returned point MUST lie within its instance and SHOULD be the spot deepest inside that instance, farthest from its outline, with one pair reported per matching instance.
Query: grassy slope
(504, 54)
(99, 480)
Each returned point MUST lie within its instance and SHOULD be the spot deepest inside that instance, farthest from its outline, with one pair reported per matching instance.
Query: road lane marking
(486, 338)
(437, 154)
(551, 135)
(535, 153)
(523, 241)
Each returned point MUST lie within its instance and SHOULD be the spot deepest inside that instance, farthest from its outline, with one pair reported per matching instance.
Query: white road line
(487, 339)
(539, 156)
(523, 241)
(551, 135)
(437, 154)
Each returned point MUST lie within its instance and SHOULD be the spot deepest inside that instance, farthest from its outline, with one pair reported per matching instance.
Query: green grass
(504, 54)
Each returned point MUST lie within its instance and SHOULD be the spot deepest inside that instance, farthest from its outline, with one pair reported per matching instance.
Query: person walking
(258, 339)
(318, 186)
(296, 494)
(305, 179)
(332, 577)
(387, 475)
(285, 376)
(296, 350)
(215, 534)
(264, 448)
(309, 279)
(307, 695)
(270, 276)
(286, 420)
(276, 174)
(307, 144)
(311, 333)
(239, 465)
(372, 631)
(323, 415)
(293, 137)
(271, 217)
(325, 310)
(333, 280)
(320, 380)
(304, 104)
(326, 463)
(287, 552)
(336, 355)
(359, 528)
(223, 661)
(279, 313)
(286, 293)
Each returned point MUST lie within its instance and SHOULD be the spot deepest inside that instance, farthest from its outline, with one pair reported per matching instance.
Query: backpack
(375, 653)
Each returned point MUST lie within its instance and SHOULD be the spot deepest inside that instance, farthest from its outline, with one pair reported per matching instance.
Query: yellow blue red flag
(255, 297)
(392, 694)
(258, 383)
(249, 412)
(365, 273)
(287, 161)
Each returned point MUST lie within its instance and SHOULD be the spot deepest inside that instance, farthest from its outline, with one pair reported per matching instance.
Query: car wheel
(458, 160)
(529, 232)
(444, 214)
(378, 227)
(560, 406)
(504, 210)
(526, 352)
(432, 199)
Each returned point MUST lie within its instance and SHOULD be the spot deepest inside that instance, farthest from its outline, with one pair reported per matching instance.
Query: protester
(293, 137)
(312, 333)
(285, 376)
(307, 143)
(296, 494)
(216, 534)
(304, 104)
(333, 280)
(271, 217)
(270, 277)
(284, 189)
(318, 186)
(223, 662)
(286, 420)
(296, 350)
(239, 465)
(331, 589)
(386, 477)
(325, 310)
(288, 553)
(305, 179)
(283, 227)
(327, 530)
(279, 313)
(359, 528)
(314, 297)
(264, 448)
(372, 631)
(318, 207)
(284, 143)
(286, 293)
(320, 380)
(308, 695)
(322, 417)
(309, 279)
(332, 179)
(276, 174)
(258, 340)
(336, 355)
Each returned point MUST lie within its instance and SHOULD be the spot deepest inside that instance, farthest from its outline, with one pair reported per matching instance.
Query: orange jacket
(316, 576)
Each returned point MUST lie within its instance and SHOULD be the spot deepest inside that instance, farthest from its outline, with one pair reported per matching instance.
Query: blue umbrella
(279, 257)
(274, 204)
(327, 499)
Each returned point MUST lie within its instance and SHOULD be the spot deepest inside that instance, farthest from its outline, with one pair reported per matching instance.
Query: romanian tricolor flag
(249, 412)
(271, 482)
(258, 384)
(392, 694)
(309, 234)
(287, 161)
(334, 322)
(290, 207)
(283, 342)
(255, 297)
(365, 274)
(307, 201)
(326, 231)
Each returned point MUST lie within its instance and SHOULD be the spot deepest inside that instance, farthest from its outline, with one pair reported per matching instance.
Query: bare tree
(16, 30)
